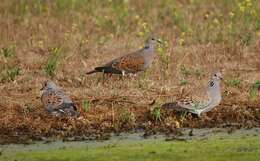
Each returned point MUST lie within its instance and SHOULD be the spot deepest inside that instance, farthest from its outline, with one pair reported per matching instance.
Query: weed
(183, 116)
(52, 62)
(144, 30)
(12, 73)
(156, 113)
(185, 71)
(233, 82)
(178, 20)
(127, 117)
(253, 90)
(8, 52)
(183, 82)
(164, 56)
(120, 8)
(85, 105)
(198, 73)
(246, 39)
(142, 81)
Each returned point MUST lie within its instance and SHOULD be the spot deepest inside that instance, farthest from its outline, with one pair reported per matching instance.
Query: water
(123, 138)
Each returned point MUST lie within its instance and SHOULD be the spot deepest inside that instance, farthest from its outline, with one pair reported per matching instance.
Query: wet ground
(188, 136)
(184, 135)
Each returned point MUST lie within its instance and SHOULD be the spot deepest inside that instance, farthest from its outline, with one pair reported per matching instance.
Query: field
(61, 40)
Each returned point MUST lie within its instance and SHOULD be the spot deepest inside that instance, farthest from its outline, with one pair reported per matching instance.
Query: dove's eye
(153, 39)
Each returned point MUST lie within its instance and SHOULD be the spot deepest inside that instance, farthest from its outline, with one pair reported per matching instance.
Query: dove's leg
(133, 75)
(49, 109)
(123, 73)
(69, 109)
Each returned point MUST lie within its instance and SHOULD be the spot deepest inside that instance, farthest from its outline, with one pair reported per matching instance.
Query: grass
(12, 73)
(127, 117)
(8, 52)
(52, 62)
(156, 113)
(214, 149)
(233, 82)
(253, 90)
(63, 39)
(85, 105)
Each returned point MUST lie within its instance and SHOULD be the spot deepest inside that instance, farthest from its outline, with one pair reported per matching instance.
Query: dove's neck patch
(211, 83)
(147, 46)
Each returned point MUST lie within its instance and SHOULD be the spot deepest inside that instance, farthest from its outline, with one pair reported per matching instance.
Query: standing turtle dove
(132, 62)
(55, 101)
(214, 95)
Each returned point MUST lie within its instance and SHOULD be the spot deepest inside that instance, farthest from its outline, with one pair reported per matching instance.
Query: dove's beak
(220, 78)
(159, 41)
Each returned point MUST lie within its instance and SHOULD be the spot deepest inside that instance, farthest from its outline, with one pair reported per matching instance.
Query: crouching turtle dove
(214, 95)
(55, 101)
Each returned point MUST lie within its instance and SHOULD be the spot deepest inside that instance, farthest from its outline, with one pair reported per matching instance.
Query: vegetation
(232, 149)
(52, 62)
(85, 105)
(253, 90)
(232, 82)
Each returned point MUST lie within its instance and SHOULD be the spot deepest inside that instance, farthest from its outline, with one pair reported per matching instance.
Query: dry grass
(200, 37)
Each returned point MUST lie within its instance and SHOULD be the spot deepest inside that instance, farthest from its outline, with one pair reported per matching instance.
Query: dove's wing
(56, 100)
(130, 63)
(52, 100)
(180, 107)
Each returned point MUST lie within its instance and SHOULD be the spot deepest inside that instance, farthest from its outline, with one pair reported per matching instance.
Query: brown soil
(21, 124)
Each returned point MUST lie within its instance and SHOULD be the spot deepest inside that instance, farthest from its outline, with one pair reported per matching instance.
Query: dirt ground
(83, 38)
(23, 123)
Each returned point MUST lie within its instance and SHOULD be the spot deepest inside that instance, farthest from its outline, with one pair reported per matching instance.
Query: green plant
(156, 113)
(142, 81)
(185, 71)
(164, 56)
(85, 105)
(11, 73)
(178, 20)
(198, 73)
(253, 89)
(126, 116)
(233, 82)
(8, 52)
(183, 82)
(52, 61)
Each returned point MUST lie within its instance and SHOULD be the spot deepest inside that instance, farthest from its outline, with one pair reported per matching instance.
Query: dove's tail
(176, 107)
(71, 110)
(105, 70)
(179, 109)
(92, 71)
(98, 69)
(172, 105)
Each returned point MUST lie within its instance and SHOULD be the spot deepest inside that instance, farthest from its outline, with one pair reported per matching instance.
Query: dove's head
(151, 41)
(216, 76)
(47, 84)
